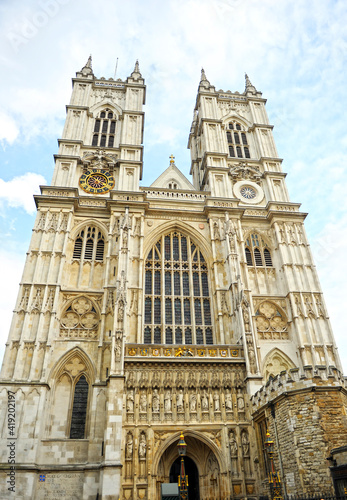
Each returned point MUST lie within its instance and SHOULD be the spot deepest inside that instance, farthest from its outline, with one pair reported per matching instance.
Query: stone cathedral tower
(147, 311)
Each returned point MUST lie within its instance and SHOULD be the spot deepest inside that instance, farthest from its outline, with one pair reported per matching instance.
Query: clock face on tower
(96, 181)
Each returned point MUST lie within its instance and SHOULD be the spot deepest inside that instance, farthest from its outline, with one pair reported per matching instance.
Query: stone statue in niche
(240, 401)
(228, 400)
(125, 237)
(245, 444)
(180, 406)
(216, 401)
(246, 318)
(216, 232)
(251, 357)
(167, 401)
(155, 401)
(143, 402)
(192, 402)
(204, 401)
(130, 401)
(129, 446)
(142, 446)
(232, 445)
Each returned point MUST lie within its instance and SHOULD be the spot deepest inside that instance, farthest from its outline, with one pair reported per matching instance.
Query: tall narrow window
(79, 409)
(104, 129)
(178, 304)
(257, 252)
(89, 244)
(237, 141)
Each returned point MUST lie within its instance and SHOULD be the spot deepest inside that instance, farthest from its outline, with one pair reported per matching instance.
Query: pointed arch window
(79, 409)
(89, 245)
(177, 297)
(257, 252)
(237, 141)
(104, 129)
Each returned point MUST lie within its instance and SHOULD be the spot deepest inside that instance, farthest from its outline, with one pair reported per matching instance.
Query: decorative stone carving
(204, 401)
(244, 171)
(240, 401)
(129, 446)
(271, 322)
(233, 445)
(167, 401)
(142, 446)
(228, 400)
(245, 443)
(143, 402)
(155, 401)
(130, 401)
(80, 316)
(98, 159)
(180, 401)
(192, 402)
(216, 401)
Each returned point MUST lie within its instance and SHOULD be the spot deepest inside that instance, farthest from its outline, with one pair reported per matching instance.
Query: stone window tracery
(104, 129)
(257, 251)
(177, 302)
(80, 320)
(271, 322)
(89, 245)
(237, 141)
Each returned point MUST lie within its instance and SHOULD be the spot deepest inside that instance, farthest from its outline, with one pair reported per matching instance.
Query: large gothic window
(237, 141)
(89, 245)
(104, 129)
(177, 301)
(257, 251)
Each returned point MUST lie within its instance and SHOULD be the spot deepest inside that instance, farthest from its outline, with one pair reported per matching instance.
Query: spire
(248, 85)
(204, 83)
(87, 69)
(136, 74)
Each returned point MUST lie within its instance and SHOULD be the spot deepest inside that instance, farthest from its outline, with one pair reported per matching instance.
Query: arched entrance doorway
(207, 473)
(192, 473)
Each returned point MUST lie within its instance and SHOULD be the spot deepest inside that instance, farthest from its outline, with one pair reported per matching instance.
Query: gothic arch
(89, 222)
(266, 238)
(199, 437)
(232, 115)
(63, 363)
(275, 362)
(101, 106)
(186, 230)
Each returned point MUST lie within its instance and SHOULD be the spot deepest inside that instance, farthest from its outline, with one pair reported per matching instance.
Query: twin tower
(183, 306)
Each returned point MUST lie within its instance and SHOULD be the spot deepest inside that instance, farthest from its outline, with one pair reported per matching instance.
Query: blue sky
(294, 52)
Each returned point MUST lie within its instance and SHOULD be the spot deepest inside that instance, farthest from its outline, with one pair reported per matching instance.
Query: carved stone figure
(180, 406)
(192, 402)
(142, 446)
(252, 361)
(129, 446)
(167, 401)
(245, 444)
(143, 402)
(240, 401)
(155, 401)
(232, 445)
(216, 232)
(204, 401)
(130, 401)
(246, 318)
(228, 400)
(216, 401)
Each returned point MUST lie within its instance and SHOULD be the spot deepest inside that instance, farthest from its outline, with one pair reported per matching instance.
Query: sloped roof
(173, 174)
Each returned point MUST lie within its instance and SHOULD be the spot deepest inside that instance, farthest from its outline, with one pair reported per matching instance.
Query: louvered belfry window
(177, 298)
(237, 141)
(256, 251)
(104, 129)
(89, 244)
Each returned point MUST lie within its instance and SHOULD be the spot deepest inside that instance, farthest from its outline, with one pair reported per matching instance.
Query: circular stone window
(248, 192)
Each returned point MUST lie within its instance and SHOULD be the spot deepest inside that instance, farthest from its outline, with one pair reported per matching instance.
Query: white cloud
(18, 192)
(8, 129)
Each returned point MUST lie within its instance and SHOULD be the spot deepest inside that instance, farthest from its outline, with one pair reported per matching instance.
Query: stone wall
(308, 414)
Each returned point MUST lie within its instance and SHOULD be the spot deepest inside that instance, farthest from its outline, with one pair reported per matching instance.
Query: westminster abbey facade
(185, 306)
